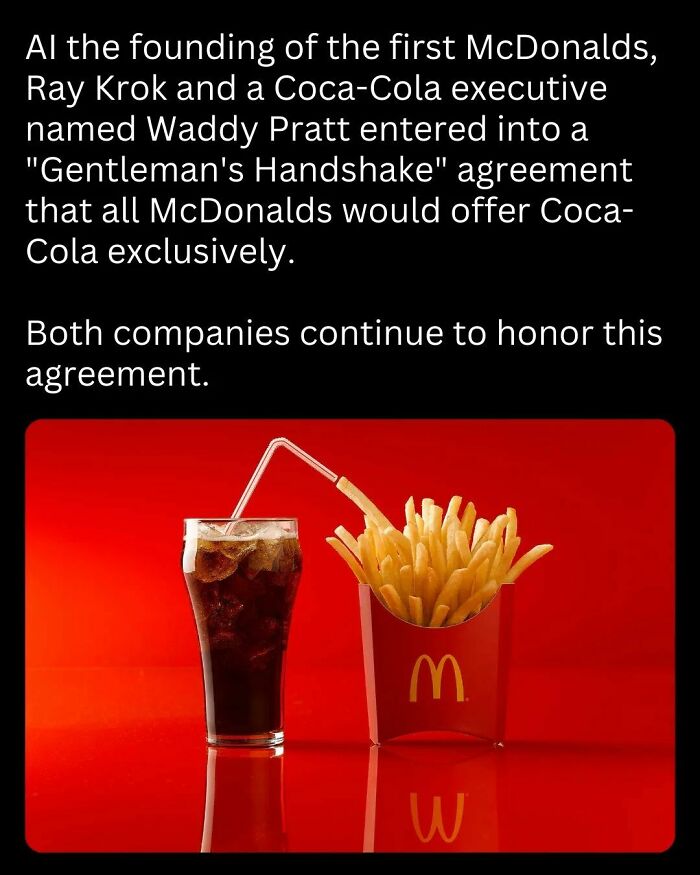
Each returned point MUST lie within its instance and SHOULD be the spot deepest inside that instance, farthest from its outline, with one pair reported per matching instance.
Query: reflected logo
(436, 676)
(436, 823)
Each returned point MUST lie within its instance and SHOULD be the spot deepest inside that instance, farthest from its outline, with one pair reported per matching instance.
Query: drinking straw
(265, 461)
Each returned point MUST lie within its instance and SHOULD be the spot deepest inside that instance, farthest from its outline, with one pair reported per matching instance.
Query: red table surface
(116, 761)
(115, 756)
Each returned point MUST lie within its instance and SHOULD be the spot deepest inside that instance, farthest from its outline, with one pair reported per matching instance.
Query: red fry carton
(452, 678)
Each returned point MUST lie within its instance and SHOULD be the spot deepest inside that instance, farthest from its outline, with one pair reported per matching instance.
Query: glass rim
(241, 519)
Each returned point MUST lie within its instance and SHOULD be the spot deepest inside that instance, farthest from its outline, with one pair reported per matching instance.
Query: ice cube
(270, 531)
(244, 530)
(211, 565)
(210, 531)
(290, 558)
(216, 560)
(237, 550)
(208, 545)
(265, 557)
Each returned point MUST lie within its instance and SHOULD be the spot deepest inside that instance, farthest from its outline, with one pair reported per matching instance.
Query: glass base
(260, 739)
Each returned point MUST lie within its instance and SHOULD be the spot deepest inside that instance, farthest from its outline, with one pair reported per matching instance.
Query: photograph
(350, 635)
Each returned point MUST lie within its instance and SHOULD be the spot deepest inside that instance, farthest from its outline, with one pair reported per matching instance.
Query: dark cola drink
(242, 578)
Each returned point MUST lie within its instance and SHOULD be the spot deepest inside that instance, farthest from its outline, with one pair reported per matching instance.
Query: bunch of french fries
(443, 568)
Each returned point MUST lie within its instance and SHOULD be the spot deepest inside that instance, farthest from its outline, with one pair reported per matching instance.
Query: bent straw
(265, 461)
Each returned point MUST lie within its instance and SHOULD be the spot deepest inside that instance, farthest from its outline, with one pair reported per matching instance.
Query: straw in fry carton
(441, 569)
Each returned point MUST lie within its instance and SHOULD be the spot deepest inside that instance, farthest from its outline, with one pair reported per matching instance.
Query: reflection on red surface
(244, 808)
(116, 761)
(432, 797)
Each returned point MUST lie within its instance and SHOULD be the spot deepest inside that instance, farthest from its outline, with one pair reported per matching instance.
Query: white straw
(264, 462)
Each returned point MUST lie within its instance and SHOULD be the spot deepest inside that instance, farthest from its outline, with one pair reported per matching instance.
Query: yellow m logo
(436, 676)
(436, 823)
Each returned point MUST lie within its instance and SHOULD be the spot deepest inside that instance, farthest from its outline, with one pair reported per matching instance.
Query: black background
(424, 274)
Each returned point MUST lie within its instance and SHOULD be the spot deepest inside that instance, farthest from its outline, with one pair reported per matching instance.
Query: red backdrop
(593, 643)
(105, 502)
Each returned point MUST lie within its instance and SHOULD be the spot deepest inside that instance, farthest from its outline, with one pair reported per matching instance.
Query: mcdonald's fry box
(451, 678)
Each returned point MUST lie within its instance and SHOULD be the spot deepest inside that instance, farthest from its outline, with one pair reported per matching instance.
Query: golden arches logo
(436, 676)
(436, 823)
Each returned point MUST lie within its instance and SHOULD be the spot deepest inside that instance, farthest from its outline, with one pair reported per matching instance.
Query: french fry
(369, 561)
(449, 594)
(420, 573)
(497, 526)
(415, 609)
(481, 576)
(435, 520)
(389, 572)
(439, 615)
(473, 603)
(468, 519)
(420, 525)
(526, 560)
(401, 543)
(430, 591)
(469, 606)
(422, 562)
(441, 568)
(411, 532)
(509, 552)
(370, 534)
(496, 560)
(483, 554)
(467, 587)
(454, 560)
(349, 557)
(512, 527)
(348, 540)
(393, 600)
(380, 548)
(406, 583)
(392, 549)
(481, 527)
(462, 542)
(361, 500)
(410, 512)
(478, 568)
(453, 506)
(437, 556)
(488, 591)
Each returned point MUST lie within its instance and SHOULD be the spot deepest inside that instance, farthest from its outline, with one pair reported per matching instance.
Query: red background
(111, 645)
